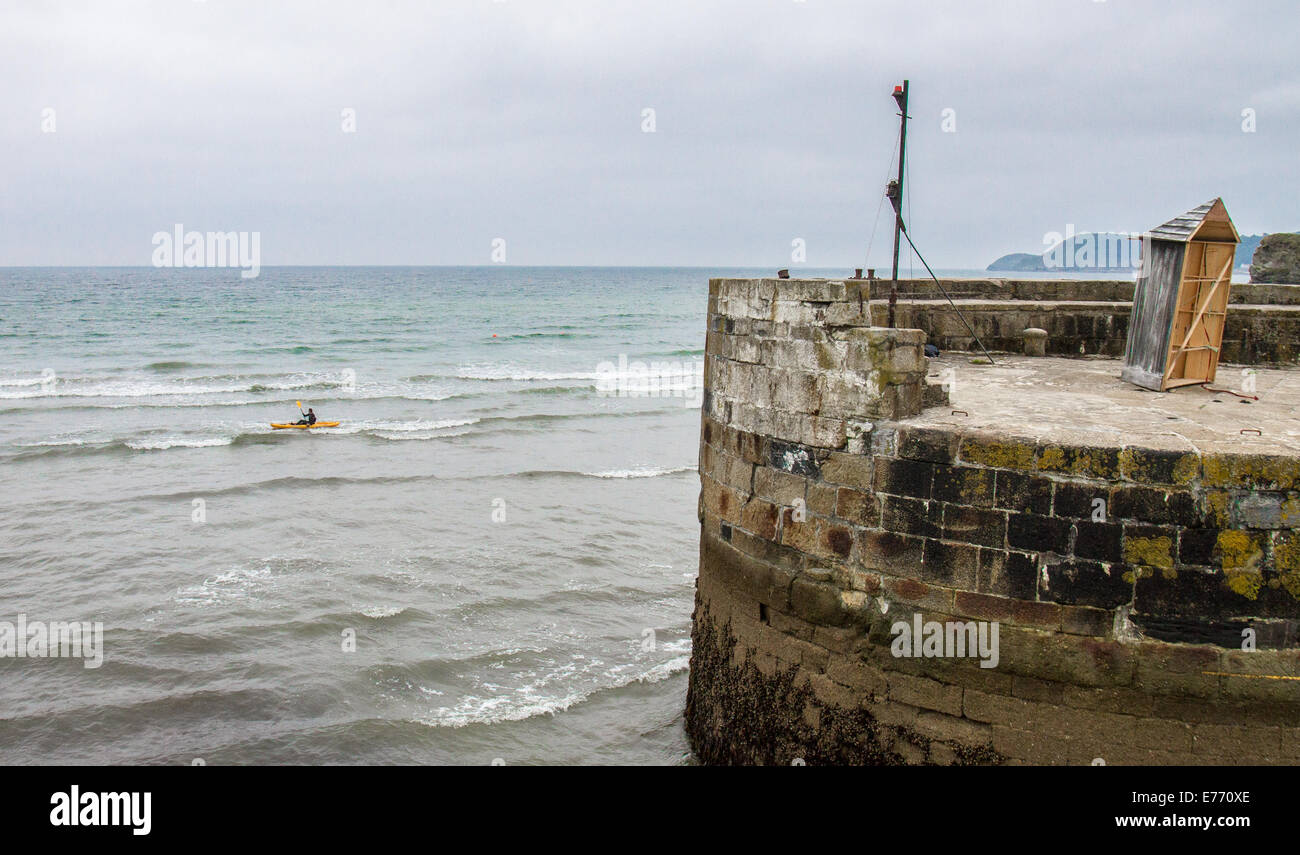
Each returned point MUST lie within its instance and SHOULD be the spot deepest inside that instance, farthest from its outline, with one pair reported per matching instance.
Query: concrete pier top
(1083, 402)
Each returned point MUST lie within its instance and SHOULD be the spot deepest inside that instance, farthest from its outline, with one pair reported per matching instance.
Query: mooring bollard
(1035, 342)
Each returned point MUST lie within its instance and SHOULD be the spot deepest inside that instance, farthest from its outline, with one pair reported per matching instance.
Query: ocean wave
(380, 612)
(178, 442)
(258, 433)
(22, 382)
(545, 335)
(506, 373)
(413, 437)
(241, 583)
(317, 401)
(180, 386)
(530, 700)
(555, 390)
(170, 365)
(642, 472)
(398, 427)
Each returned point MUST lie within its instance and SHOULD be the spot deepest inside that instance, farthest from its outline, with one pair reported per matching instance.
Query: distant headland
(1094, 252)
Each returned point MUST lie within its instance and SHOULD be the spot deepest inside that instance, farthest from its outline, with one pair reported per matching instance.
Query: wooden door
(1197, 332)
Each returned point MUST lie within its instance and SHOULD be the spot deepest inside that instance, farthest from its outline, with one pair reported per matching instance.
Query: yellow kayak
(278, 426)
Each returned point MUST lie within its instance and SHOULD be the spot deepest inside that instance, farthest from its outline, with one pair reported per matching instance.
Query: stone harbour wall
(1080, 317)
(1120, 579)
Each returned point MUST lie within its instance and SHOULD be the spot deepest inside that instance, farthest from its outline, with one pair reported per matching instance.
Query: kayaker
(309, 419)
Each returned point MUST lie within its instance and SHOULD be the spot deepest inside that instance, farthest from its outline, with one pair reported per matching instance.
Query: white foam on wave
(401, 427)
(106, 387)
(378, 612)
(178, 442)
(242, 583)
(642, 472)
(508, 372)
(444, 433)
(54, 443)
(530, 699)
(21, 381)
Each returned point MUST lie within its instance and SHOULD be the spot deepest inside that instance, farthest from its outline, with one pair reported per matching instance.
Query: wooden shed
(1181, 300)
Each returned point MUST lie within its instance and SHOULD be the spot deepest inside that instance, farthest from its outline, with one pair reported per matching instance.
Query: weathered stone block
(1149, 546)
(891, 553)
(795, 459)
(1086, 583)
(817, 602)
(1152, 466)
(974, 525)
(1196, 545)
(858, 507)
(903, 477)
(951, 565)
(1099, 541)
(918, 595)
(1081, 620)
(1015, 491)
(1084, 461)
(1080, 501)
(820, 499)
(1260, 511)
(760, 518)
(1257, 471)
(1007, 574)
(1034, 533)
(998, 452)
(853, 470)
(1155, 506)
(777, 486)
(933, 445)
(963, 485)
(925, 694)
(911, 516)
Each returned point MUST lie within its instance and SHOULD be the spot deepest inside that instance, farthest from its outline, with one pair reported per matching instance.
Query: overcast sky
(523, 120)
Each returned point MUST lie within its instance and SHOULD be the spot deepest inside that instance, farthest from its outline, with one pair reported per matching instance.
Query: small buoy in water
(494, 335)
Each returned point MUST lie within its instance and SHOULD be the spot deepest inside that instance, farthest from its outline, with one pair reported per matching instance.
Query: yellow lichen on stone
(1239, 552)
(1217, 504)
(1291, 513)
(1252, 470)
(1286, 556)
(1082, 464)
(1136, 573)
(1135, 467)
(998, 455)
(1291, 581)
(1154, 552)
(1187, 469)
(974, 488)
(1053, 457)
(1245, 582)
(1217, 472)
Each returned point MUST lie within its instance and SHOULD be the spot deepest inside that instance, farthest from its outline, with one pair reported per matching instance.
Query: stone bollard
(1035, 342)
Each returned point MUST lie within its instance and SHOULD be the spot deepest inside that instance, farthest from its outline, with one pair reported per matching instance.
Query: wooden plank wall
(1147, 353)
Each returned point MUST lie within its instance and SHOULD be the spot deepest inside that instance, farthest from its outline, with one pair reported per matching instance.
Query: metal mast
(895, 193)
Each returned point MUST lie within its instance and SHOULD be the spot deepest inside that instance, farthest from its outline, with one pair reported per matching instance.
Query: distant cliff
(1019, 261)
(1093, 251)
(1277, 259)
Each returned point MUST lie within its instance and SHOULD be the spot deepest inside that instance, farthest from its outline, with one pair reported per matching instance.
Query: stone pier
(1137, 551)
